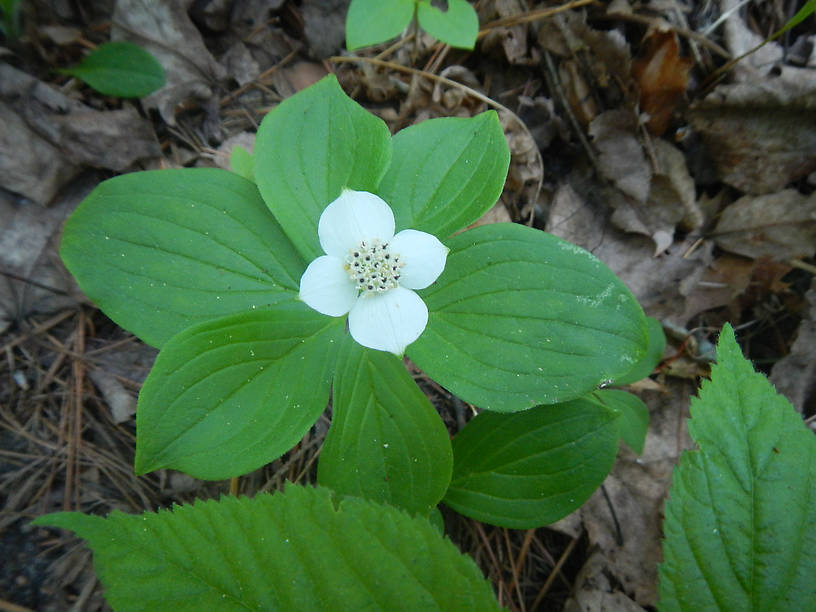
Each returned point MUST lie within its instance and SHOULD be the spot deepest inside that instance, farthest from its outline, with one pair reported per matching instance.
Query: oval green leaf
(308, 149)
(446, 173)
(520, 318)
(654, 353)
(370, 22)
(386, 442)
(241, 163)
(634, 416)
(120, 69)
(293, 550)
(162, 250)
(532, 468)
(227, 396)
(740, 527)
(457, 26)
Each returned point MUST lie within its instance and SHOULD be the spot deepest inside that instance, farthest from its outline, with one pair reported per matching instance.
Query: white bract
(369, 273)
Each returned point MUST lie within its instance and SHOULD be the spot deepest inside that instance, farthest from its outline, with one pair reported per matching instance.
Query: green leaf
(160, 251)
(803, 13)
(386, 442)
(446, 173)
(740, 523)
(370, 22)
(227, 396)
(10, 25)
(308, 149)
(120, 69)
(288, 551)
(520, 318)
(634, 416)
(241, 163)
(458, 26)
(654, 353)
(532, 468)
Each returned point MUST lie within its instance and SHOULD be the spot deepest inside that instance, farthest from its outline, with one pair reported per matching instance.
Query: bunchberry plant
(334, 251)
(370, 22)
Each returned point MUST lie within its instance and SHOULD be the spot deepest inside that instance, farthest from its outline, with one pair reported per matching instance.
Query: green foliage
(386, 442)
(370, 22)
(241, 163)
(634, 416)
(652, 356)
(532, 468)
(289, 551)
(740, 528)
(446, 173)
(160, 251)
(120, 69)
(10, 24)
(311, 147)
(192, 261)
(457, 26)
(227, 396)
(520, 318)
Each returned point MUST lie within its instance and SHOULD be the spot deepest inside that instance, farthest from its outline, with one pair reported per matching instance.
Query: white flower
(369, 273)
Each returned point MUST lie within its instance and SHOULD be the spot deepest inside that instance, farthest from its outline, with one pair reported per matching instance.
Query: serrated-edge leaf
(162, 250)
(288, 551)
(370, 22)
(120, 68)
(446, 173)
(386, 442)
(227, 396)
(532, 468)
(308, 149)
(740, 520)
(458, 26)
(520, 318)
(634, 416)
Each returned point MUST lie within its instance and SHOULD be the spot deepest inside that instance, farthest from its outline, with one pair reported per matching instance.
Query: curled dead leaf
(780, 226)
(662, 78)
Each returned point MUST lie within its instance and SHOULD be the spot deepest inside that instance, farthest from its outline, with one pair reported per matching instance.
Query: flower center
(373, 267)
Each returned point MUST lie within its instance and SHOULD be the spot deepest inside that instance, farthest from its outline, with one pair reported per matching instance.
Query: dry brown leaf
(514, 38)
(324, 26)
(595, 589)
(761, 136)
(28, 250)
(29, 164)
(95, 138)
(121, 403)
(525, 163)
(780, 226)
(661, 76)
(579, 95)
(720, 284)
(671, 200)
(739, 39)
(620, 155)
(795, 374)
(165, 30)
(239, 64)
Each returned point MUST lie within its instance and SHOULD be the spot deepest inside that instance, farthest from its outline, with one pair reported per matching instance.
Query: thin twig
(531, 16)
(556, 570)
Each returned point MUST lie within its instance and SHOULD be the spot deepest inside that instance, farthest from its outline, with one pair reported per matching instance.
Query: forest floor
(695, 186)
